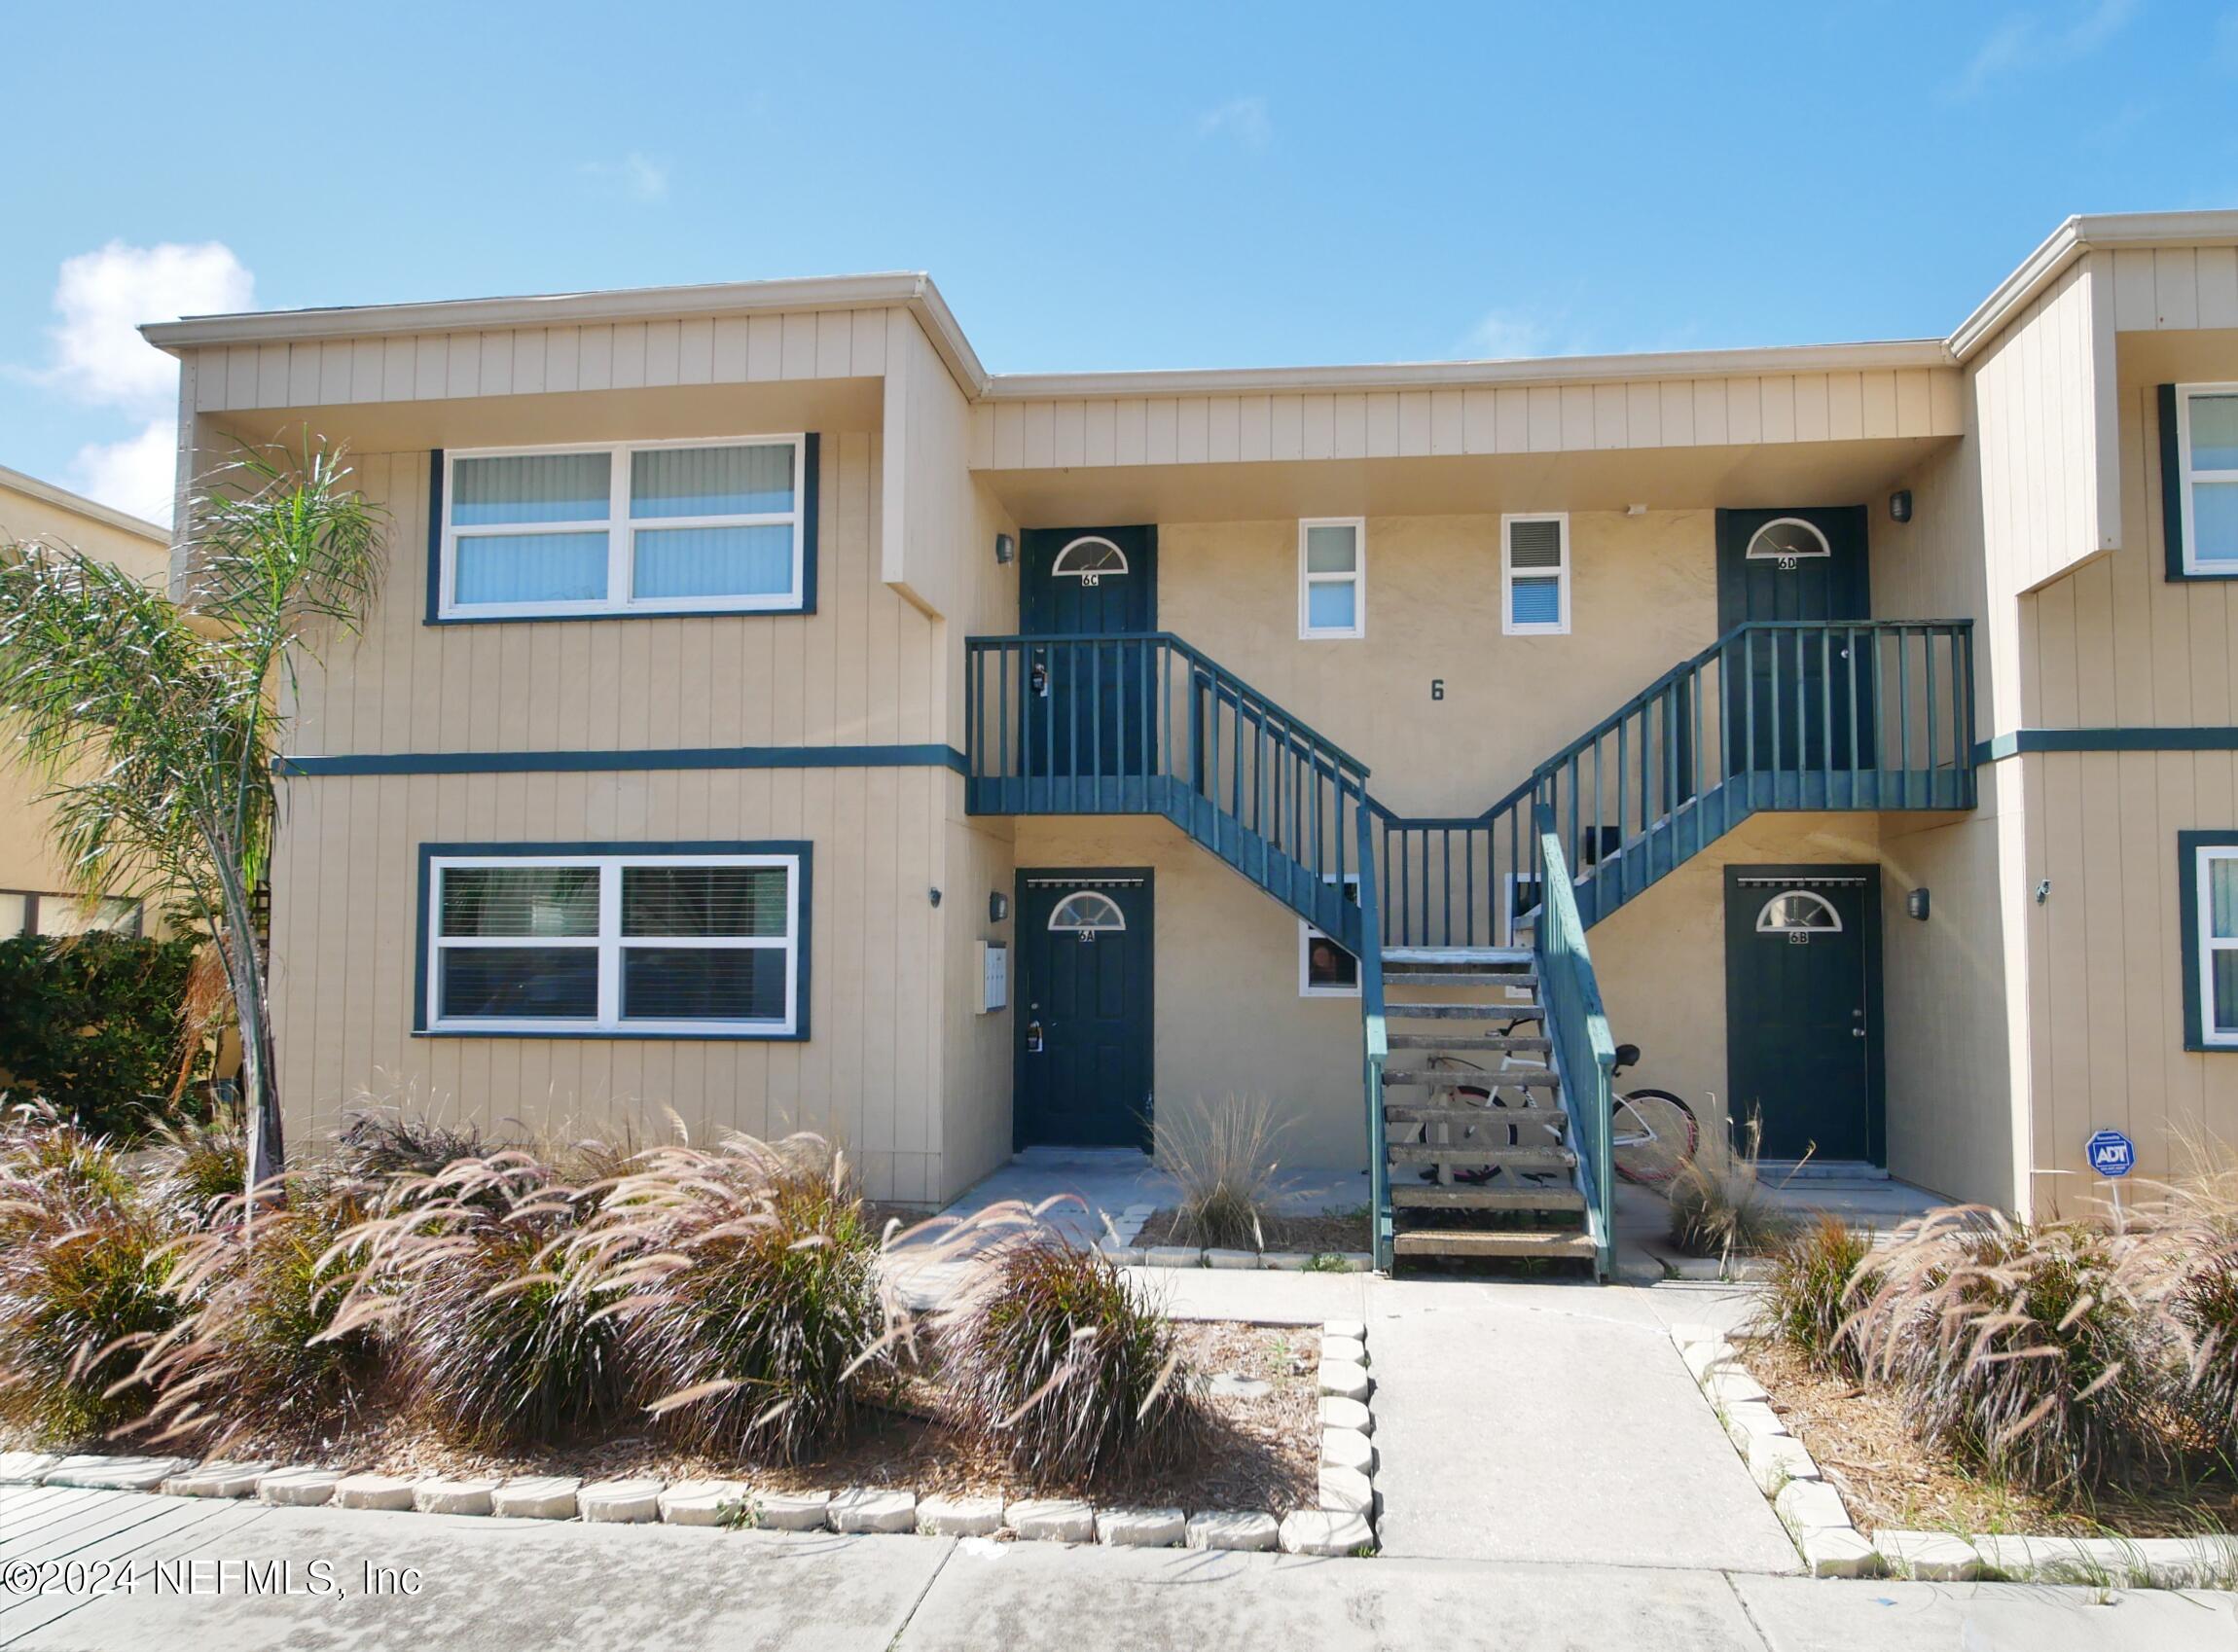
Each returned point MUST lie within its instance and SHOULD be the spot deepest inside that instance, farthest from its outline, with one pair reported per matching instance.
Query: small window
(1087, 912)
(1332, 576)
(2215, 914)
(652, 944)
(646, 527)
(1090, 559)
(1535, 575)
(2207, 464)
(1798, 911)
(37, 912)
(1786, 541)
(1327, 970)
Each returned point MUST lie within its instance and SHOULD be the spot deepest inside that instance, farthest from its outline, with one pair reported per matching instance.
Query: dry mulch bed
(1863, 1445)
(1262, 1453)
(1325, 1235)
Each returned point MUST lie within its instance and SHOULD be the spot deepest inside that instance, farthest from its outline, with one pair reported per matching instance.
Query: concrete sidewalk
(507, 1586)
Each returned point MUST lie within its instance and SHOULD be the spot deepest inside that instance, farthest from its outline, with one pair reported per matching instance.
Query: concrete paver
(1585, 1438)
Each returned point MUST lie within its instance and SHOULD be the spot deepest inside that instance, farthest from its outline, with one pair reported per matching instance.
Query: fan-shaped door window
(1088, 915)
(1786, 541)
(1798, 913)
(1091, 560)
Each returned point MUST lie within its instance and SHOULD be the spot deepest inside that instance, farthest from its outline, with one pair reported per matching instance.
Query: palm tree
(154, 723)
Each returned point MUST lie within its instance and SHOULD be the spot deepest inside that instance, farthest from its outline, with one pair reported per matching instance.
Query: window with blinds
(623, 943)
(1534, 574)
(628, 528)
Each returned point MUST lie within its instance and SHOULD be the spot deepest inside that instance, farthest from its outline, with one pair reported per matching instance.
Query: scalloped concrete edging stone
(1343, 1523)
(1832, 1545)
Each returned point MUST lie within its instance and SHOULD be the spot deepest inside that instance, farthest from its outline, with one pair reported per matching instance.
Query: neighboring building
(36, 895)
(1881, 695)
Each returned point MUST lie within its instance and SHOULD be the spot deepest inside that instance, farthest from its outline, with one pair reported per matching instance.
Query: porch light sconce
(2043, 891)
(1900, 505)
(1916, 902)
(1005, 547)
(998, 906)
(935, 896)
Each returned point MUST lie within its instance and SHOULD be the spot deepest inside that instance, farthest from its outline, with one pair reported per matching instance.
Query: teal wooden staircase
(1470, 932)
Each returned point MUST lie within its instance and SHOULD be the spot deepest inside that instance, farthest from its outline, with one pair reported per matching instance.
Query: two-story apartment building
(751, 661)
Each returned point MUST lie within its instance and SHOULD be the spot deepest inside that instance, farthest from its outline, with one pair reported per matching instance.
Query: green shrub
(2020, 1348)
(95, 1024)
(751, 1302)
(1815, 1278)
(1052, 1360)
(79, 1307)
(1222, 1156)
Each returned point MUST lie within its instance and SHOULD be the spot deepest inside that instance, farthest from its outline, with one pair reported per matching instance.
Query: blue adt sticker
(2111, 1153)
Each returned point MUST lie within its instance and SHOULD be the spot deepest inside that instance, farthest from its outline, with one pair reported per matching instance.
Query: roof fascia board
(909, 290)
(63, 500)
(2073, 238)
(1458, 374)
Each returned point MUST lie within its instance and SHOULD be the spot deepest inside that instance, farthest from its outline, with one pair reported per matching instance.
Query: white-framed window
(1327, 970)
(2217, 892)
(2206, 463)
(687, 945)
(1333, 577)
(693, 526)
(32, 912)
(1534, 574)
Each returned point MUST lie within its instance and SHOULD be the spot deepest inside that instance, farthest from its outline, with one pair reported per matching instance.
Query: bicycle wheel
(1651, 1133)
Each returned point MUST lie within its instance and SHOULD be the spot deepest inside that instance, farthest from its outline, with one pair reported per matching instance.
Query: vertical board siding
(346, 942)
(1516, 419)
(780, 679)
(532, 360)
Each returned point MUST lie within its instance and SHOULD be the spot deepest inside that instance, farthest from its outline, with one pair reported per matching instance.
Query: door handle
(1856, 1032)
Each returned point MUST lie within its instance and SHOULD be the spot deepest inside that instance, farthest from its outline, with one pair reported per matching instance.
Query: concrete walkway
(1106, 1180)
(525, 1585)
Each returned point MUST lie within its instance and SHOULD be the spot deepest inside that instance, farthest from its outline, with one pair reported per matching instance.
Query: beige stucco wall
(1227, 1017)
(1644, 596)
(1661, 957)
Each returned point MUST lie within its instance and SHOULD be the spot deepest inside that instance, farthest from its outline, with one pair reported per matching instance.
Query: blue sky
(1127, 187)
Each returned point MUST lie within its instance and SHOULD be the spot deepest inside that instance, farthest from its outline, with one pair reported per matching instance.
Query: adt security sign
(2112, 1154)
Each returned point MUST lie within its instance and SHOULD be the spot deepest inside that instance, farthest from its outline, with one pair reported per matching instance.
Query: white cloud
(98, 358)
(2024, 43)
(637, 176)
(102, 297)
(1513, 335)
(1244, 119)
(135, 475)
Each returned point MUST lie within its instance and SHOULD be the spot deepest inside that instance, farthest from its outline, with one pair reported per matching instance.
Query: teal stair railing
(1773, 715)
(1145, 723)
(1584, 1054)
(1376, 1049)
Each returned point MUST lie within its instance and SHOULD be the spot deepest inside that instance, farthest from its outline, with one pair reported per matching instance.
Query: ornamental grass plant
(1052, 1360)
(742, 1282)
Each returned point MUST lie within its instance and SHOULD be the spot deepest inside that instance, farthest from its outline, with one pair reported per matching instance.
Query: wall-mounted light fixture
(1900, 505)
(2043, 892)
(1005, 547)
(998, 906)
(934, 896)
(1916, 902)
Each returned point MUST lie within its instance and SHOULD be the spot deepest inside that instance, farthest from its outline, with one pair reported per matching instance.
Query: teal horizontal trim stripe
(2216, 736)
(614, 762)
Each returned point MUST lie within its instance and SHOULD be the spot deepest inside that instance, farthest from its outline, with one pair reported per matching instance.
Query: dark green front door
(1802, 699)
(1086, 711)
(1802, 1009)
(1083, 1008)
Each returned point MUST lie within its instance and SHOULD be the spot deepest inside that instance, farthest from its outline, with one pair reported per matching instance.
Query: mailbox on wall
(993, 977)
